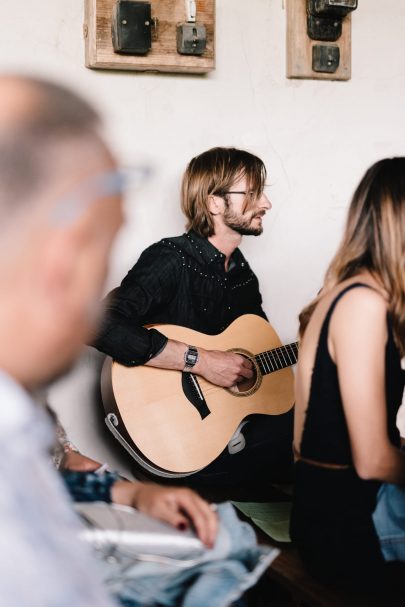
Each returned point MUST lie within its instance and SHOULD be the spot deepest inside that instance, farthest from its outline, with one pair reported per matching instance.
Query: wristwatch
(190, 358)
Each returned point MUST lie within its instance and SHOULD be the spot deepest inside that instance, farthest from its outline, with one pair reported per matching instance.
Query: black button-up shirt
(181, 281)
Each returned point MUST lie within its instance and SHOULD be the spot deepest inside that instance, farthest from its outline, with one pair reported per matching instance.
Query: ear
(215, 204)
(60, 259)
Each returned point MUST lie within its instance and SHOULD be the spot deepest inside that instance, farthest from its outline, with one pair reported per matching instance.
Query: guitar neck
(278, 358)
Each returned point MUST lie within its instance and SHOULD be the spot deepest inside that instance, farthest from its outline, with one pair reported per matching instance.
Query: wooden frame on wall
(163, 56)
(299, 46)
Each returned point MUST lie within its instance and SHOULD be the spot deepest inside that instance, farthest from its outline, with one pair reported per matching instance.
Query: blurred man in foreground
(60, 208)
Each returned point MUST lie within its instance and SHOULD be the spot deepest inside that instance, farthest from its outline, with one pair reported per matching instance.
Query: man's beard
(240, 225)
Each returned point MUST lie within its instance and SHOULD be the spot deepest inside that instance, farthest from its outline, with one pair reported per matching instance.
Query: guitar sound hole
(246, 384)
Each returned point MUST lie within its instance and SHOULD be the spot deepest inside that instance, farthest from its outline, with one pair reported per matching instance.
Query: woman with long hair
(349, 469)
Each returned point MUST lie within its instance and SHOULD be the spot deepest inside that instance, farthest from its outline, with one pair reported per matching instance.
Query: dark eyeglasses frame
(234, 192)
(250, 195)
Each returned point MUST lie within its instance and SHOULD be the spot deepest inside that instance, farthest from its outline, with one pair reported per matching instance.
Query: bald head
(17, 102)
(43, 105)
(46, 131)
(60, 209)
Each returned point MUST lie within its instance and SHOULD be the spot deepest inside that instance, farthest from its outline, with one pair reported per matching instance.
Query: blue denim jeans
(218, 578)
(389, 521)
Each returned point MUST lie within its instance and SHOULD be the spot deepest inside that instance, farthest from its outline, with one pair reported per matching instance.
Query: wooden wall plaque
(163, 57)
(299, 46)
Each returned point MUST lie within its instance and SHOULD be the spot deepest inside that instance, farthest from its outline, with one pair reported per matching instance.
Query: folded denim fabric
(217, 577)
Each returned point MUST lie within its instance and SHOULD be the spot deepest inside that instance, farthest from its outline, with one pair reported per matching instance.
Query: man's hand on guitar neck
(223, 369)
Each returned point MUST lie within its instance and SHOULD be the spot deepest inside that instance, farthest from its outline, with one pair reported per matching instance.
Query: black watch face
(191, 357)
(344, 3)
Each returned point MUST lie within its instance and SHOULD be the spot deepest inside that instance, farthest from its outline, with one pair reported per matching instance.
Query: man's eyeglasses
(95, 187)
(234, 192)
(249, 195)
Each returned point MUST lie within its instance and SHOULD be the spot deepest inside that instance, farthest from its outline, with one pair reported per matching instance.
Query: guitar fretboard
(278, 358)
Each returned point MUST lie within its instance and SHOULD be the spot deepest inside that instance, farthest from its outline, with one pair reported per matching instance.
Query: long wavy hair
(374, 240)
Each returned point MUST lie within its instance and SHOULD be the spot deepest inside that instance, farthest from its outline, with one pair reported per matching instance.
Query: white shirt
(42, 563)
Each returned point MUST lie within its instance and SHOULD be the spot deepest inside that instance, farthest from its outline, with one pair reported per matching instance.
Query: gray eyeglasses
(100, 185)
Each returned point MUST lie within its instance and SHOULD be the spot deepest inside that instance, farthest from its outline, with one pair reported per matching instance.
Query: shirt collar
(19, 413)
(211, 254)
(16, 405)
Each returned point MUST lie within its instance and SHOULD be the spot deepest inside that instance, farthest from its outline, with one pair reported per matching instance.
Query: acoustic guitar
(176, 423)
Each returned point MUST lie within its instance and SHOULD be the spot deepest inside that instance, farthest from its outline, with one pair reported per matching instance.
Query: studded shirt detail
(180, 280)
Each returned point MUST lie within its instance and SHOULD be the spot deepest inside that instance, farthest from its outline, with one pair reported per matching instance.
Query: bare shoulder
(359, 320)
(362, 300)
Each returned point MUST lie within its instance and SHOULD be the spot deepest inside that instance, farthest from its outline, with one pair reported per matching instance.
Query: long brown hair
(213, 172)
(374, 240)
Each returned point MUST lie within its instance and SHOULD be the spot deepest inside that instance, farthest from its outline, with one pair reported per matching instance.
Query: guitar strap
(237, 442)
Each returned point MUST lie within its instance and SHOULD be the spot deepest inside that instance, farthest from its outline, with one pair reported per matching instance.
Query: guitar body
(163, 423)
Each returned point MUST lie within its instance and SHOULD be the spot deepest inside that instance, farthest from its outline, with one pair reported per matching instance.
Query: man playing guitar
(202, 281)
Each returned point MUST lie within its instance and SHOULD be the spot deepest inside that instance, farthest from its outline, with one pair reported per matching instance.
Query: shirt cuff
(89, 486)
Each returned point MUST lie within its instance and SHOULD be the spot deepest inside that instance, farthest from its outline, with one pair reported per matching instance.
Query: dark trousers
(266, 458)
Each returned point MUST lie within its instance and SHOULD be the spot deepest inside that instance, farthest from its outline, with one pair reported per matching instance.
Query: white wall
(316, 139)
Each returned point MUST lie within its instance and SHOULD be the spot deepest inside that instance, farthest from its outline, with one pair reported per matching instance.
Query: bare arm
(220, 368)
(357, 340)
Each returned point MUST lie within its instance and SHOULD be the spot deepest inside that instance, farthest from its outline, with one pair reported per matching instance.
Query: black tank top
(325, 436)
(331, 519)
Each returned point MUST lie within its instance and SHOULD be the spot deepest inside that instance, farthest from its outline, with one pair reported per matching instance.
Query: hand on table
(177, 506)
